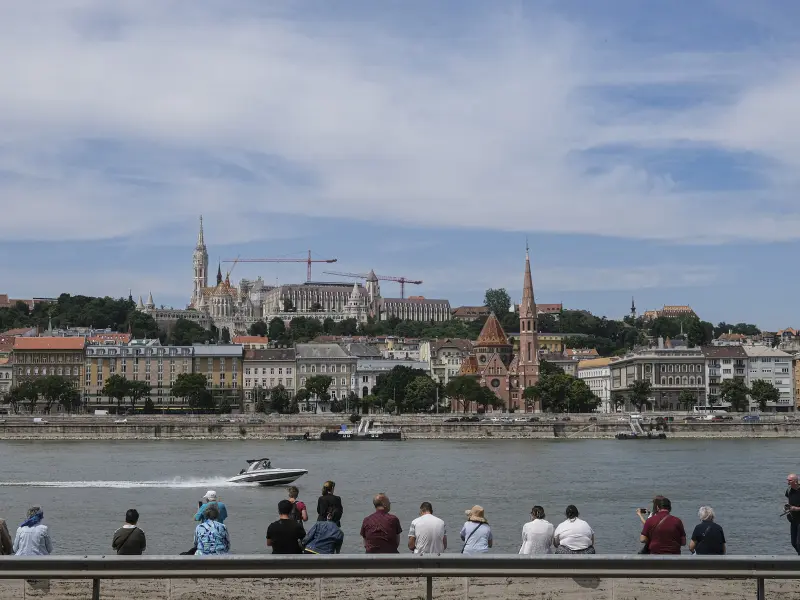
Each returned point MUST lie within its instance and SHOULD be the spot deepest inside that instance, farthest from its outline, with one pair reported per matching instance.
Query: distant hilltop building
(669, 311)
(235, 308)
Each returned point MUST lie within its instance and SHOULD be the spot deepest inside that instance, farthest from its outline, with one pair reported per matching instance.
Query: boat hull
(284, 478)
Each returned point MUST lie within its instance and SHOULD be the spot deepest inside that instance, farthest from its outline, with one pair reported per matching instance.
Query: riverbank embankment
(413, 427)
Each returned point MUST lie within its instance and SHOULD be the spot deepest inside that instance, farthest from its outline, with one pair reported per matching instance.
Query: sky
(642, 149)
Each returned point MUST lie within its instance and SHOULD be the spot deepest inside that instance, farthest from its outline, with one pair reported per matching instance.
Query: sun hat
(211, 496)
(476, 514)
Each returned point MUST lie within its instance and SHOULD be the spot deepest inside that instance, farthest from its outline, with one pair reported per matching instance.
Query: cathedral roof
(469, 366)
(492, 333)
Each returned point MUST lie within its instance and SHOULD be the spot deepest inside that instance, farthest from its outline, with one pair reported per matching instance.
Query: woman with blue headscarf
(32, 538)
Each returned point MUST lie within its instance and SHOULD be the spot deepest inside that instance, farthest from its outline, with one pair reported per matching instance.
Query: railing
(97, 568)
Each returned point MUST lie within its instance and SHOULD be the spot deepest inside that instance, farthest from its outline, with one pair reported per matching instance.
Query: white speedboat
(260, 470)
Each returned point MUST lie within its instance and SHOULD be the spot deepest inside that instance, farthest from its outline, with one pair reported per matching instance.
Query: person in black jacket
(329, 502)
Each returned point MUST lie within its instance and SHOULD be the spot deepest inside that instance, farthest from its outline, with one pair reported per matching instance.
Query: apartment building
(223, 366)
(325, 359)
(443, 358)
(669, 371)
(368, 370)
(597, 375)
(36, 357)
(723, 363)
(266, 369)
(6, 375)
(141, 360)
(776, 367)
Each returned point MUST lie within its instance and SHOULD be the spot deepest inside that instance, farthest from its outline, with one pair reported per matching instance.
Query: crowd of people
(381, 531)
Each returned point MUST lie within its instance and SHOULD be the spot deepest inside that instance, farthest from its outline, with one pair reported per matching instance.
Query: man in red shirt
(662, 533)
(380, 530)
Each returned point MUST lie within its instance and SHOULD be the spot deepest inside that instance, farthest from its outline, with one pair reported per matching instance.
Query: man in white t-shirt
(427, 534)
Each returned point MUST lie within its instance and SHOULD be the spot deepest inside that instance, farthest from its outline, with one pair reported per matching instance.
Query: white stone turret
(150, 303)
(140, 305)
(200, 267)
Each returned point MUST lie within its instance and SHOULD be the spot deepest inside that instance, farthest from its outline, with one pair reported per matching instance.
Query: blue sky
(645, 149)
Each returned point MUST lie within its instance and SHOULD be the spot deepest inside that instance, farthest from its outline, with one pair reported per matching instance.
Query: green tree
(368, 403)
(687, 399)
(138, 390)
(317, 386)
(763, 392)
(462, 390)
(14, 398)
(581, 398)
(302, 396)
(259, 328)
(225, 336)
(487, 398)
(639, 393)
(734, 392)
(497, 301)
(699, 333)
(52, 388)
(259, 396)
(420, 394)
(280, 399)
(353, 402)
(117, 388)
(185, 333)
(393, 385)
(149, 407)
(193, 388)
(28, 391)
(277, 329)
(70, 399)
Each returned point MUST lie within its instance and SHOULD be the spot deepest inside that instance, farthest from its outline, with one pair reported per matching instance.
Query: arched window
(691, 380)
(670, 368)
(685, 380)
(302, 368)
(663, 381)
(699, 381)
(669, 381)
(313, 368)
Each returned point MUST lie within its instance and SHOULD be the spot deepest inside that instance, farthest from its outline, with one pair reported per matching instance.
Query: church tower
(200, 264)
(528, 358)
(633, 309)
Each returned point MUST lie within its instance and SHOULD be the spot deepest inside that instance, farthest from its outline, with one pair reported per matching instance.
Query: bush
(149, 407)
(355, 418)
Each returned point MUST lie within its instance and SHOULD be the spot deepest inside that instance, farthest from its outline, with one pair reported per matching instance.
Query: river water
(85, 487)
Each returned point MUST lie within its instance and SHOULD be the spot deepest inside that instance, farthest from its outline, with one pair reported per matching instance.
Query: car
(452, 420)
(593, 418)
(39, 421)
(566, 419)
(120, 421)
(472, 419)
(533, 420)
(520, 420)
(255, 421)
(622, 419)
(751, 418)
(226, 420)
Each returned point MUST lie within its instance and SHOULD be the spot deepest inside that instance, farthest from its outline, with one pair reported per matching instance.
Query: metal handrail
(429, 567)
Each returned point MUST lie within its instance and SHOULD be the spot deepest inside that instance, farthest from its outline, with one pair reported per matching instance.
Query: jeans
(795, 533)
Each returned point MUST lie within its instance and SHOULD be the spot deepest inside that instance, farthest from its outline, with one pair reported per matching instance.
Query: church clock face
(495, 383)
(483, 358)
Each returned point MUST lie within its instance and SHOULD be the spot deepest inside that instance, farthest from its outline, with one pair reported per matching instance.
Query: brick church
(493, 361)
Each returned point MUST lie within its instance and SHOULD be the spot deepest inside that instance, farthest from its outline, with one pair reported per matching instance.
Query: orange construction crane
(308, 261)
(401, 280)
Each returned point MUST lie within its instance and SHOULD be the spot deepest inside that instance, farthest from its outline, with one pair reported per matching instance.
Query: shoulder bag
(471, 533)
(646, 548)
(127, 537)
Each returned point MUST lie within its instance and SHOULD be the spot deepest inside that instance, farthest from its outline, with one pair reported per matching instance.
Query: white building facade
(443, 358)
(597, 375)
(773, 366)
(325, 359)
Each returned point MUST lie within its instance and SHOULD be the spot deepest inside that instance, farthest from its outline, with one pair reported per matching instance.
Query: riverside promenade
(276, 427)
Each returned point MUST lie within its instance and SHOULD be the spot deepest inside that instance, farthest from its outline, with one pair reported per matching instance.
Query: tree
(70, 399)
(193, 388)
(763, 392)
(186, 333)
(581, 398)
(393, 385)
(225, 336)
(277, 330)
(486, 398)
(639, 393)
(53, 388)
(149, 407)
(368, 403)
(497, 301)
(302, 395)
(259, 328)
(116, 387)
(734, 392)
(141, 325)
(28, 391)
(280, 399)
(462, 389)
(259, 396)
(14, 398)
(699, 333)
(687, 399)
(420, 394)
(138, 390)
(353, 402)
(317, 385)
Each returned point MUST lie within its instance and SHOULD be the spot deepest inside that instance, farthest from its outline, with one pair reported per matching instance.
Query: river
(85, 487)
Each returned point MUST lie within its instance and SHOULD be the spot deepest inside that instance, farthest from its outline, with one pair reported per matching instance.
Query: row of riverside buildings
(237, 372)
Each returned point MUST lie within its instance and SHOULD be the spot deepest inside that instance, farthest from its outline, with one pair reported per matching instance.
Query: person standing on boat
(208, 499)
(329, 501)
(299, 510)
(324, 537)
(381, 530)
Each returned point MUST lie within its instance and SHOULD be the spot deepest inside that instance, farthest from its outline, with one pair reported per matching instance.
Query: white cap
(211, 496)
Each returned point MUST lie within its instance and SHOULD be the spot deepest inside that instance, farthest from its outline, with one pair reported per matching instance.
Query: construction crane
(401, 280)
(308, 261)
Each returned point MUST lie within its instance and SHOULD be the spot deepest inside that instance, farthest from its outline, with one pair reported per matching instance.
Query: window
(280, 371)
(272, 371)
(691, 380)
(726, 361)
(288, 382)
(344, 368)
(313, 368)
(247, 371)
(344, 381)
(323, 369)
(669, 381)
(288, 370)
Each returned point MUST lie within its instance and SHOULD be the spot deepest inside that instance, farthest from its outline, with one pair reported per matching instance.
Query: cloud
(120, 119)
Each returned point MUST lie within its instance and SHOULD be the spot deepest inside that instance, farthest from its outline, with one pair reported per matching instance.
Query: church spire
(201, 242)
(527, 308)
(633, 309)
(219, 273)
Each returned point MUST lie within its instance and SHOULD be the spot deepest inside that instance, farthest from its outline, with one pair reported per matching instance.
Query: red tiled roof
(117, 338)
(469, 366)
(49, 343)
(250, 339)
(492, 333)
(17, 331)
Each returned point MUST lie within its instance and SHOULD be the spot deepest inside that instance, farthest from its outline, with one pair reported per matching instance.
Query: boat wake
(179, 482)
